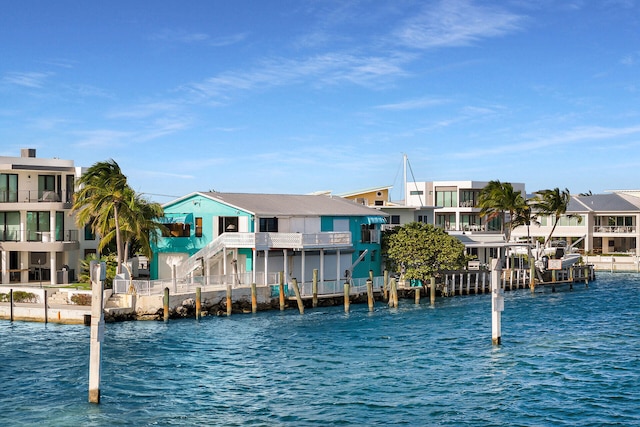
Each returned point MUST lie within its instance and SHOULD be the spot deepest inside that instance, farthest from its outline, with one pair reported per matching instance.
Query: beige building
(39, 240)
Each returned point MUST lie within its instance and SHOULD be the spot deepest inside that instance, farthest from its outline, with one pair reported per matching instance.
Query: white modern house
(608, 223)
(39, 241)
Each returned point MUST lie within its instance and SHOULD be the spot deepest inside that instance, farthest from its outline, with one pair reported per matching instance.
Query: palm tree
(139, 223)
(553, 203)
(98, 202)
(524, 216)
(498, 198)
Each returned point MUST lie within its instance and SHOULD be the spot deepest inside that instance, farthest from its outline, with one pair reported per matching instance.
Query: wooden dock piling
(370, 294)
(347, 290)
(229, 300)
(254, 298)
(281, 291)
(296, 290)
(198, 302)
(314, 289)
(165, 304)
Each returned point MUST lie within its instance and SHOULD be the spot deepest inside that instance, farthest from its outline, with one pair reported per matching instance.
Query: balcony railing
(15, 235)
(614, 229)
(35, 196)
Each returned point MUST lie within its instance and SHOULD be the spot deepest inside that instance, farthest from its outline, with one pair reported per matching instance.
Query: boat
(557, 250)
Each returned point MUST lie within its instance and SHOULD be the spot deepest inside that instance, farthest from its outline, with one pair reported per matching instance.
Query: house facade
(39, 240)
(455, 203)
(608, 223)
(251, 238)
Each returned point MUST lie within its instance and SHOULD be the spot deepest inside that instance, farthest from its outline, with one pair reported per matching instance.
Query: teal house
(245, 238)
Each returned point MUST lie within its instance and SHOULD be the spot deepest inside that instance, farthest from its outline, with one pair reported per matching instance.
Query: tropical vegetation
(553, 203)
(497, 199)
(421, 250)
(115, 212)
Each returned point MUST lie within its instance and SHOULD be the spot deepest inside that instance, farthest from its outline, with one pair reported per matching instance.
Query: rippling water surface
(567, 358)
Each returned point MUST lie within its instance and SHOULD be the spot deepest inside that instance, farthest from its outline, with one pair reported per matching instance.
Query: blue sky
(300, 96)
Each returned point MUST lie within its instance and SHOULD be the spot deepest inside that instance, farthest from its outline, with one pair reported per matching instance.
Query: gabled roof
(601, 203)
(365, 191)
(270, 205)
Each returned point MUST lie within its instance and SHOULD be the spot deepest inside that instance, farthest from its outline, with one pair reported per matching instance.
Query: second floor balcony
(36, 196)
(614, 229)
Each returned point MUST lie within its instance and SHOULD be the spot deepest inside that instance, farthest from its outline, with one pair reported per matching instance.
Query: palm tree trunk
(118, 240)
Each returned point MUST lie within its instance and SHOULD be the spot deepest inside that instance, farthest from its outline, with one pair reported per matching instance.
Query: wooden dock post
(497, 303)
(347, 290)
(46, 312)
(385, 283)
(11, 305)
(393, 294)
(296, 290)
(165, 304)
(370, 294)
(432, 285)
(229, 300)
(417, 295)
(254, 298)
(198, 302)
(314, 289)
(97, 272)
(281, 290)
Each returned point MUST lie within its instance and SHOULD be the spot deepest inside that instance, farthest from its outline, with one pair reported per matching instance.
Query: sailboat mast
(404, 171)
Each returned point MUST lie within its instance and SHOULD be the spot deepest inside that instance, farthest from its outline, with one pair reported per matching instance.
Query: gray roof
(269, 205)
(601, 203)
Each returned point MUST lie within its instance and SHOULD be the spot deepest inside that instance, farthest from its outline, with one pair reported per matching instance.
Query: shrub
(22, 296)
(81, 299)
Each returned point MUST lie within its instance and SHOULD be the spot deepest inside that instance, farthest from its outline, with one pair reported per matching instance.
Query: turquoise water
(567, 358)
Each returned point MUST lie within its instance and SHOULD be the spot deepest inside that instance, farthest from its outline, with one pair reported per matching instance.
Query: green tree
(138, 224)
(98, 201)
(553, 203)
(498, 198)
(422, 250)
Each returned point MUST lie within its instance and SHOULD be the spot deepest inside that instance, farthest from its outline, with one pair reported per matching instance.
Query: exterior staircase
(58, 298)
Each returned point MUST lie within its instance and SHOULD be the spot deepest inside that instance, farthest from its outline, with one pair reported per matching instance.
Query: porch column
(53, 267)
(266, 266)
(5, 267)
(254, 254)
(322, 266)
(285, 263)
(302, 266)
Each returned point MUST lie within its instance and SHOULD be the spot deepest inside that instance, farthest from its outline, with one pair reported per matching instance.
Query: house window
(88, 234)
(368, 233)
(395, 219)
(10, 226)
(416, 193)
(227, 224)
(59, 227)
(198, 226)
(8, 187)
(47, 188)
(177, 229)
(379, 203)
(269, 225)
(448, 199)
(38, 226)
(446, 221)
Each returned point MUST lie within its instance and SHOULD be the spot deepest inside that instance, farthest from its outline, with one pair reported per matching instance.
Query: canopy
(176, 219)
(375, 220)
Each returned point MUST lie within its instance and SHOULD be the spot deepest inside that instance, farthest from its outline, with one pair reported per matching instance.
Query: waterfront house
(608, 225)
(39, 241)
(246, 238)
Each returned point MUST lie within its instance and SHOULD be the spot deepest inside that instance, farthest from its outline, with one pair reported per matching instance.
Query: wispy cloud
(456, 23)
(576, 135)
(413, 104)
(181, 36)
(26, 79)
(324, 69)
(101, 138)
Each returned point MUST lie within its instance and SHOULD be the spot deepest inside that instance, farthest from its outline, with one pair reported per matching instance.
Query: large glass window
(8, 187)
(227, 224)
(468, 198)
(10, 226)
(269, 225)
(448, 199)
(446, 221)
(59, 226)
(38, 226)
(471, 222)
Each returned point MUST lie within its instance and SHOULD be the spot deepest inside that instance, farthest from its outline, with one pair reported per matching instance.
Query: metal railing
(15, 235)
(614, 229)
(34, 196)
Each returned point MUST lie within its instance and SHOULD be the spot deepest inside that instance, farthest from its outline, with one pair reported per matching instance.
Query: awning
(176, 219)
(375, 220)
